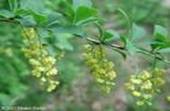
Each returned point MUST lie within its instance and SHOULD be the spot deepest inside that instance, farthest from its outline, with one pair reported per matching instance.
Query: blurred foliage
(145, 12)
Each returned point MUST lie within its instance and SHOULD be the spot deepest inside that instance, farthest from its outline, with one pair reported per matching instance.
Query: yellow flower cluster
(145, 85)
(43, 65)
(101, 68)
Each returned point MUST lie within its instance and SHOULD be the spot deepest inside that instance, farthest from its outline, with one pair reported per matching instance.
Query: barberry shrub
(44, 28)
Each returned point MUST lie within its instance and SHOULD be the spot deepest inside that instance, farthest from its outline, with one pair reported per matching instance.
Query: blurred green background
(77, 91)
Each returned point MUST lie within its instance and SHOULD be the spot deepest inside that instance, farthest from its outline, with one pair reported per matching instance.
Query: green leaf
(55, 18)
(131, 47)
(87, 21)
(110, 35)
(160, 44)
(84, 13)
(160, 31)
(137, 32)
(79, 3)
(164, 50)
(161, 39)
(37, 6)
(77, 30)
(125, 15)
(5, 99)
(6, 14)
(13, 4)
(38, 17)
(62, 41)
(27, 21)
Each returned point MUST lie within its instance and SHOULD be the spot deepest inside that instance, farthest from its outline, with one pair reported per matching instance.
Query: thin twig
(111, 45)
(9, 20)
(114, 46)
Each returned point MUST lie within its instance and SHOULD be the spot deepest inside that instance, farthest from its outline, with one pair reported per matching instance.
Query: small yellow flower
(53, 71)
(146, 75)
(49, 60)
(135, 81)
(52, 85)
(130, 86)
(147, 96)
(136, 93)
(147, 85)
(140, 103)
(34, 62)
(43, 79)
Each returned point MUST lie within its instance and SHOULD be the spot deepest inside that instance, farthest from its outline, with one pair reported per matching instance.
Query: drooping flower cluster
(101, 68)
(146, 85)
(43, 65)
